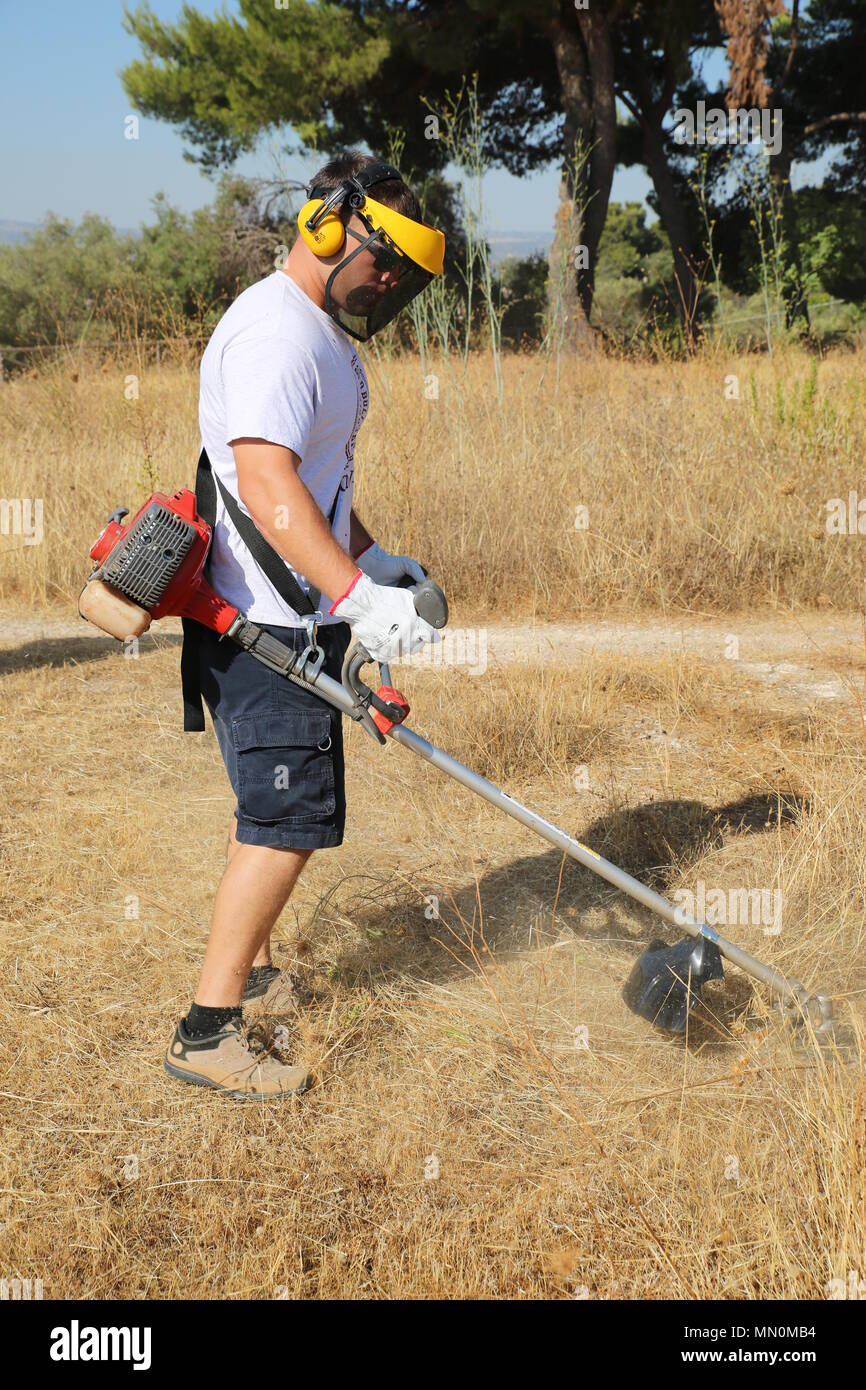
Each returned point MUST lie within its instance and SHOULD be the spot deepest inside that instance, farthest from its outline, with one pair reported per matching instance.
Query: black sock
(203, 1021)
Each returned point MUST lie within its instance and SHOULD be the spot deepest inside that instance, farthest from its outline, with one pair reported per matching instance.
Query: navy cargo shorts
(282, 745)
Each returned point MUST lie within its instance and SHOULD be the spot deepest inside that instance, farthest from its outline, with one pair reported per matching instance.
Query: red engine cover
(188, 595)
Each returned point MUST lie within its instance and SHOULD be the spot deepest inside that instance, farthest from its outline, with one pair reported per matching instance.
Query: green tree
(199, 261)
(635, 284)
(763, 46)
(833, 227)
(550, 74)
(357, 71)
(224, 80)
(825, 90)
(523, 292)
(65, 282)
(660, 47)
(56, 283)
(805, 62)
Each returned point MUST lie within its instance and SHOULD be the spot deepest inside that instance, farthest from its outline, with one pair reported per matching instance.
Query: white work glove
(384, 568)
(383, 619)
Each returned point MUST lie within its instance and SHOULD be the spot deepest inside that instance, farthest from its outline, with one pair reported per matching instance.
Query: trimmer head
(666, 982)
(815, 1031)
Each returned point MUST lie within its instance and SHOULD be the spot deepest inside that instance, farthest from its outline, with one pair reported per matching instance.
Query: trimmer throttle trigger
(398, 705)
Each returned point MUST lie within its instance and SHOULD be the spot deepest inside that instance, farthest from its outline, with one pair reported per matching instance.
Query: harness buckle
(311, 658)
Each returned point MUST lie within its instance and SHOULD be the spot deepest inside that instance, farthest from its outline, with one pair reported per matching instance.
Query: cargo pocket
(285, 767)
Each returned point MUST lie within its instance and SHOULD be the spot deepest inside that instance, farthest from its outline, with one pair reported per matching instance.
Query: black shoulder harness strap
(269, 561)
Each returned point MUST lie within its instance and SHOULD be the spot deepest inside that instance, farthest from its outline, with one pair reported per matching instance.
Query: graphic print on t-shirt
(348, 477)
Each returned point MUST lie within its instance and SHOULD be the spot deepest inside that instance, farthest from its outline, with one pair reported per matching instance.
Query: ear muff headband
(319, 221)
(425, 245)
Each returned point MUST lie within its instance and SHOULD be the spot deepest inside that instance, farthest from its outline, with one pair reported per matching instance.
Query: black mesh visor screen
(366, 310)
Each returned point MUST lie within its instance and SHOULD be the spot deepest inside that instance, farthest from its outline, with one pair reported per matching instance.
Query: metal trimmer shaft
(816, 1008)
(787, 989)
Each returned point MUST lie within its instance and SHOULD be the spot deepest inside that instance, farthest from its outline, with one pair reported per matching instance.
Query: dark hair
(394, 193)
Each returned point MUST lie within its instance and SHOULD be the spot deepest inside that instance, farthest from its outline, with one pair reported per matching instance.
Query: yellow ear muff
(330, 234)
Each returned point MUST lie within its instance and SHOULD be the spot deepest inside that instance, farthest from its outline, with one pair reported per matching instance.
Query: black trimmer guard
(666, 983)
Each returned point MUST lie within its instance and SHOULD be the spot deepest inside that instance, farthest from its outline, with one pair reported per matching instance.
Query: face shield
(357, 296)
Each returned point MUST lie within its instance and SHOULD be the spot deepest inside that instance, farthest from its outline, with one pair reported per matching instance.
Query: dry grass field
(489, 1120)
(693, 502)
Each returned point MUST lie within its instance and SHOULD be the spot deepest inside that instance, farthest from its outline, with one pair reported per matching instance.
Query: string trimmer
(152, 567)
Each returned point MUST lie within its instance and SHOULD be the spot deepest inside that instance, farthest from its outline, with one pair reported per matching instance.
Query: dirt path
(810, 656)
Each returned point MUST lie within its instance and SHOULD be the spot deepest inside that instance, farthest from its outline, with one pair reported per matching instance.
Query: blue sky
(62, 109)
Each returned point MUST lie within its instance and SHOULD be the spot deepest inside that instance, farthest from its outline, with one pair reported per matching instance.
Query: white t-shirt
(279, 368)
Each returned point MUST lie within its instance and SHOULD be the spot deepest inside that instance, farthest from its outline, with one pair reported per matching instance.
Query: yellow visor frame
(423, 244)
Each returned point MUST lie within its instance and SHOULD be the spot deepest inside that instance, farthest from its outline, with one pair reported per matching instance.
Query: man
(283, 395)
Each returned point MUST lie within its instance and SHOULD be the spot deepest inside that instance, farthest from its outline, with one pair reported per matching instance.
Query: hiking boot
(225, 1062)
(271, 990)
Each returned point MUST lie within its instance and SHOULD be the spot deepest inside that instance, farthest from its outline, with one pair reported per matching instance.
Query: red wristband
(348, 591)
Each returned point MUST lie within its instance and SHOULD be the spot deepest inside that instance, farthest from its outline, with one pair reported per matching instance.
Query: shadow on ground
(62, 651)
(400, 936)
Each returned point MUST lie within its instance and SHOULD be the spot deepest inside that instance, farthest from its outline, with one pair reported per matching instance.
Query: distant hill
(505, 243)
(502, 243)
(16, 231)
(12, 231)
